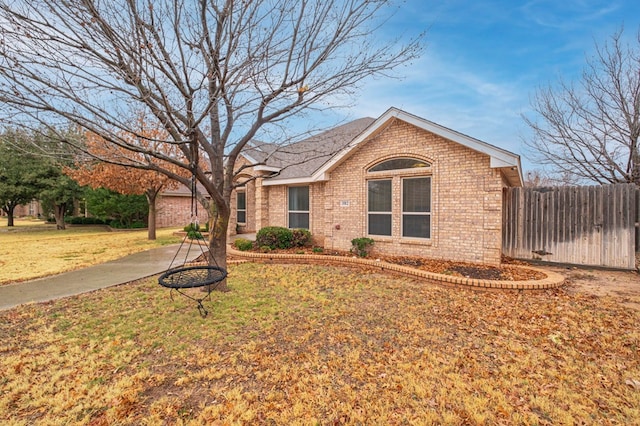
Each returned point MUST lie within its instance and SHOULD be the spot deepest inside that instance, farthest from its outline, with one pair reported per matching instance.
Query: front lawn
(296, 344)
(33, 249)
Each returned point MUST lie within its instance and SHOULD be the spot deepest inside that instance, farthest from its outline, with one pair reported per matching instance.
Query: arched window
(399, 164)
(400, 196)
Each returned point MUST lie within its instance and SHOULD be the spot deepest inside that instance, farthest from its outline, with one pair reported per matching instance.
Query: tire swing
(187, 276)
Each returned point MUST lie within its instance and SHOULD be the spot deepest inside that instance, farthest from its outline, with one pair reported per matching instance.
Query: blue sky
(484, 60)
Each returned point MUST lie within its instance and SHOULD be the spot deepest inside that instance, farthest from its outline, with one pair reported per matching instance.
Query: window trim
(425, 169)
(238, 209)
(427, 213)
(380, 213)
(397, 177)
(289, 211)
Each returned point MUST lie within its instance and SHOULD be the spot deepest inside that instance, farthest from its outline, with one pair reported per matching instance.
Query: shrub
(361, 246)
(92, 221)
(194, 230)
(80, 220)
(75, 220)
(274, 237)
(243, 244)
(300, 238)
(318, 249)
(197, 227)
(195, 235)
(116, 224)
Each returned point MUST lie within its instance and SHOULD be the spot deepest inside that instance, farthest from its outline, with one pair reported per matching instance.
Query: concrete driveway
(120, 271)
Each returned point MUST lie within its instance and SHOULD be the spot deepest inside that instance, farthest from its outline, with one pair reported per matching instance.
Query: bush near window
(274, 237)
(300, 238)
(361, 246)
(243, 244)
(277, 237)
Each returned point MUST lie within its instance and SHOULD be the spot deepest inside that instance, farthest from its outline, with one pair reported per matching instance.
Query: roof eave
(288, 181)
(511, 171)
(263, 168)
(500, 158)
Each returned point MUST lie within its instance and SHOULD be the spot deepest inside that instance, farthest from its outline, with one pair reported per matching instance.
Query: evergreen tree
(23, 174)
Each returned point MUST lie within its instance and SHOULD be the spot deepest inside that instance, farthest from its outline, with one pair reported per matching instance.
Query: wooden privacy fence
(591, 225)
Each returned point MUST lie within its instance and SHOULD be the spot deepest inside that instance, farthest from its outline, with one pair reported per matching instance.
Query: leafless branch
(214, 73)
(591, 130)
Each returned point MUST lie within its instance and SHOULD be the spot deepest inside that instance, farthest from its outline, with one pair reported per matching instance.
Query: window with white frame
(416, 207)
(402, 177)
(241, 206)
(299, 207)
(379, 206)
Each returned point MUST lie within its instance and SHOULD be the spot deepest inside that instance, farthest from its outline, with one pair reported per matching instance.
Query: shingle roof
(303, 158)
(313, 158)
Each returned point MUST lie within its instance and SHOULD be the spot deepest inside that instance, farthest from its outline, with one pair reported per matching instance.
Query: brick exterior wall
(466, 200)
(251, 211)
(277, 210)
(33, 209)
(466, 217)
(175, 210)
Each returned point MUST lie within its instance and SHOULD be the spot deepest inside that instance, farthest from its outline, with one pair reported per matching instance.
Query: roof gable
(499, 158)
(313, 158)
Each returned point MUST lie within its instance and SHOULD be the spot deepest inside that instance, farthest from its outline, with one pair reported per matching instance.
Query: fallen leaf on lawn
(633, 383)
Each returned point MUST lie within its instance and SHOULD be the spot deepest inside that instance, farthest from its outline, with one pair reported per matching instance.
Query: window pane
(242, 201)
(299, 220)
(299, 198)
(380, 195)
(418, 226)
(399, 164)
(416, 195)
(379, 224)
(242, 216)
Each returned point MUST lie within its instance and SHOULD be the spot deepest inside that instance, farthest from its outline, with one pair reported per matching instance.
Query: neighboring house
(173, 208)
(32, 209)
(413, 186)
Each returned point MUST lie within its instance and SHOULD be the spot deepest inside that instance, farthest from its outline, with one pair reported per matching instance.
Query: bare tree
(542, 178)
(215, 73)
(591, 130)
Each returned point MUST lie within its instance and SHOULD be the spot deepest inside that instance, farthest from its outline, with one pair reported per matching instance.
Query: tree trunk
(217, 255)
(9, 208)
(151, 218)
(58, 213)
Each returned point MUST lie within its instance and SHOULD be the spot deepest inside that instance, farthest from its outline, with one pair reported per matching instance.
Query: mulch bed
(506, 272)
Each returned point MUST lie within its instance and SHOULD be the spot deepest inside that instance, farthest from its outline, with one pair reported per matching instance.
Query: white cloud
(452, 95)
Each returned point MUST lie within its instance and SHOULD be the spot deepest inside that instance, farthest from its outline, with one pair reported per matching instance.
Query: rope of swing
(194, 183)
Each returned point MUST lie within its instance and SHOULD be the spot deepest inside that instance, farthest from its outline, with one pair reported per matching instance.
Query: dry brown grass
(295, 344)
(34, 249)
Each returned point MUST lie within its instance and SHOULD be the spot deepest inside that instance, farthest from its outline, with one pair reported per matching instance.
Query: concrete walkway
(120, 271)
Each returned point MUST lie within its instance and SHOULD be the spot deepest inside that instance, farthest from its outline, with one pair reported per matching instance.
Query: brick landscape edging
(552, 280)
